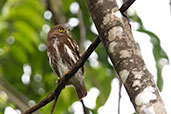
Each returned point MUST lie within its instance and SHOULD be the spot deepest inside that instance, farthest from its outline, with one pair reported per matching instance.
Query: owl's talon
(59, 80)
(66, 72)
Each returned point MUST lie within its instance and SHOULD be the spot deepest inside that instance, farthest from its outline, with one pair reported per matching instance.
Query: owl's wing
(76, 48)
(77, 51)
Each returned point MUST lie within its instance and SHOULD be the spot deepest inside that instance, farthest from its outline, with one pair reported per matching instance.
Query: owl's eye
(60, 29)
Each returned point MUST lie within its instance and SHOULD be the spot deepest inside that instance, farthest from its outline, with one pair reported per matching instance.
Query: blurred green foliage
(22, 43)
(21, 36)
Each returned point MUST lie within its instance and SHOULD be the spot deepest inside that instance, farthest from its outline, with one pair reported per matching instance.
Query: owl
(63, 52)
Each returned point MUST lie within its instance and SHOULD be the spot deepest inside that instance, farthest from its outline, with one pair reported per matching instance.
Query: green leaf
(19, 53)
(24, 41)
(26, 13)
(27, 30)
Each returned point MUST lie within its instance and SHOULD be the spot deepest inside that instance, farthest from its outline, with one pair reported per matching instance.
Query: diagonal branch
(14, 95)
(54, 104)
(85, 109)
(65, 78)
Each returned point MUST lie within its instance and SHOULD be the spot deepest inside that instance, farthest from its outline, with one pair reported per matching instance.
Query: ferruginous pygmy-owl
(63, 53)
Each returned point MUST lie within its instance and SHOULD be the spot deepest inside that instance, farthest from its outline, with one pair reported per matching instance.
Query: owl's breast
(56, 61)
(62, 55)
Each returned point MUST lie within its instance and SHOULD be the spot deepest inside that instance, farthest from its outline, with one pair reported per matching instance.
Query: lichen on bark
(116, 36)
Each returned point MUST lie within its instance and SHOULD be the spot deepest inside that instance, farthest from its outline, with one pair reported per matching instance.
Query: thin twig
(85, 109)
(120, 86)
(125, 6)
(119, 97)
(54, 104)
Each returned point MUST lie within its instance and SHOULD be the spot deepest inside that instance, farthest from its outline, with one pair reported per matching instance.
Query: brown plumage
(63, 53)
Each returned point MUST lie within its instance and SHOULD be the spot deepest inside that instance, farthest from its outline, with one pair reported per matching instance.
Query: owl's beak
(68, 32)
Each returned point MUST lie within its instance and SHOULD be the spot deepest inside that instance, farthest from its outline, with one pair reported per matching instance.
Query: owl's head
(60, 30)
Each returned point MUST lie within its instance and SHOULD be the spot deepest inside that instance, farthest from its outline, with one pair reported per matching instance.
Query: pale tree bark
(117, 38)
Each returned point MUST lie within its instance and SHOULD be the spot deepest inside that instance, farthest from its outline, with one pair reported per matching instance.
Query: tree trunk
(115, 33)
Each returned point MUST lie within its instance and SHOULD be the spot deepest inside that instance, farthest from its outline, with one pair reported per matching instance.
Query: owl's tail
(81, 90)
